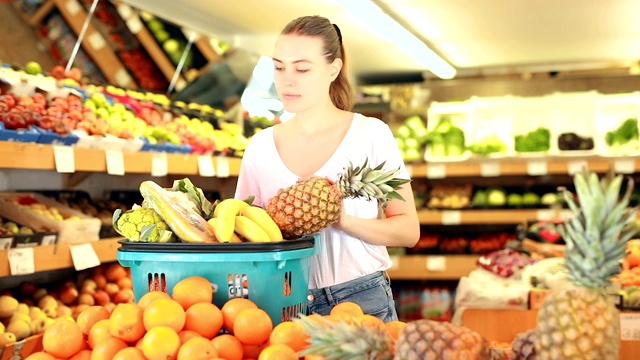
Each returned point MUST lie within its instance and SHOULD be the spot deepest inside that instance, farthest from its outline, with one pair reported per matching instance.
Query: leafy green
(626, 132)
(196, 196)
(536, 140)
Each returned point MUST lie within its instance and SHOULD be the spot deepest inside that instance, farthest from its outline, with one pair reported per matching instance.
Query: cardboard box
(536, 297)
(82, 229)
(22, 349)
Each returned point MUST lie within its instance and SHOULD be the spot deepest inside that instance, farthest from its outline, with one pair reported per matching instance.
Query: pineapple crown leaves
(370, 183)
(341, 340)
(597, 235)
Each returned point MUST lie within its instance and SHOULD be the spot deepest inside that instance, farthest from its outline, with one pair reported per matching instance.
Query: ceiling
(478, 37)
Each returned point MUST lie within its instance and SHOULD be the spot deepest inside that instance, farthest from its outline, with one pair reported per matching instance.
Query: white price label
(96, 41)
(5, 243)
(436, 263)
(205, 166)
(124, 10)
(576, 166)
(64, 159)
(84, 256)
(436, 171)
(624, 166)
(159, 164)
(537, 167)
(180, 84)
(73, 7)
(222, 164)
(21, 261)
(122, 77)
(546, 214)
(395, 262)
(629, 326)
(490, 169)
(49, 239)
(134, 24)
(451, 217)
(115, 162)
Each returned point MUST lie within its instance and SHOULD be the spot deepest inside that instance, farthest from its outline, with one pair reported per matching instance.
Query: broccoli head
(142, 224)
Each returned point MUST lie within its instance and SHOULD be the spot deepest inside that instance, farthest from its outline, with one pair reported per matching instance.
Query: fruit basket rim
(304, 242)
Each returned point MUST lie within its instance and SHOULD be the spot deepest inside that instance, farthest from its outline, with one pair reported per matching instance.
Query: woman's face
(302, 74)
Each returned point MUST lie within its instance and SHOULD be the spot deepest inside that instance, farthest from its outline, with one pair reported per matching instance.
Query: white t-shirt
(342, 257)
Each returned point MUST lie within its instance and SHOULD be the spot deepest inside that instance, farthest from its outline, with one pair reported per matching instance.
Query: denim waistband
(348, 286)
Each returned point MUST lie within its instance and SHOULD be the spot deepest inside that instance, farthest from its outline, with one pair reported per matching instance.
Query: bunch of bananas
(235, 220)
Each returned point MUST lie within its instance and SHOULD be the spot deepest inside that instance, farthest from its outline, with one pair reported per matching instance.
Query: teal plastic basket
(273, 275)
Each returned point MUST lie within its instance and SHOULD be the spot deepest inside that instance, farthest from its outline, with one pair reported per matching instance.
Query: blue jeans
(371, 292)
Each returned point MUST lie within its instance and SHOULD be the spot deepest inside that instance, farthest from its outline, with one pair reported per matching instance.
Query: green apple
(162, 35)
(171, 46)
(99, 98)
(33, 68)
(90, 104)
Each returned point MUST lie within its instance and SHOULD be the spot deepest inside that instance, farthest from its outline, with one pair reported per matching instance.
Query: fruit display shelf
(504, 324)
(432, 267)
(56, 257)
(17, 155)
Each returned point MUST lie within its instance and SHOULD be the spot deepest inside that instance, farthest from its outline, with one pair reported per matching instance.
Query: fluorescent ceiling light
(378, 21)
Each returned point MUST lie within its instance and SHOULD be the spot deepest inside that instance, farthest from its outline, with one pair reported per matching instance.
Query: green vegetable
(536, 140)
(196, 196)
(142, 224)
(626, 132)
(446, 139)
(488, 145)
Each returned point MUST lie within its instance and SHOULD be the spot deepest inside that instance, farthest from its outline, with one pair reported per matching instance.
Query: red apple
(111, 288)
(86, 299)
(69, 295)
(101, 298)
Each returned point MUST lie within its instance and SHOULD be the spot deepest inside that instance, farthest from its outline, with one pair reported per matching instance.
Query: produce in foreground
(582, 322)
(314, 203)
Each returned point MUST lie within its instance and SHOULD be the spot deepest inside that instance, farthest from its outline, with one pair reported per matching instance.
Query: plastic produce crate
(273, 275)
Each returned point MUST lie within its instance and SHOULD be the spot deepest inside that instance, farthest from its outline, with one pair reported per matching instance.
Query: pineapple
(314, 203)
(581, 322)
(523, 346)
(419, 340)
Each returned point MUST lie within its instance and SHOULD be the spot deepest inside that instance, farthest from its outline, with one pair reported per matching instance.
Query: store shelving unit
(38, 15)
(432, 267)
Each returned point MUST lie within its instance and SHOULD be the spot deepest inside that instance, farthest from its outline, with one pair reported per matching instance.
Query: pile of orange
(185, 325)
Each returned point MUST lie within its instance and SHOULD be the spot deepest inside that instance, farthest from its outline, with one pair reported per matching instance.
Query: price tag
(436, 171)
(409, 170)
(490, 169)
(64, 158)
(205, 166)
(629, 326)
(576, 166)
(96, 41)
(115, 162)
(122, 77)
(436, 263)
(451, 217)
(5, 243)
(624, 166)
(546, 214)
(134, 24)
(124, 10)
(223, 166)
(180, 84)
(159, 164)
(537, 167)
(73, 7)
(21, 261)
(84, 256)
(49, 239)
(395, 262)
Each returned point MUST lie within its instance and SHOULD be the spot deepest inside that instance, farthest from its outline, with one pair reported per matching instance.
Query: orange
(101, 281)
(204, 318)
(228, 346)
(115, 272)
(347, 307)
(186, 335)
(191, 290)
(107, 349)
(147, 298)
(82, 355)
(160, 343)
(91, 315)
(125, 283)
(369, 321)
(291, 334)
(40, 355)
(197, 348)
(278, 352)
(166, 312)
(394, 328)
(126, 323)
(62, 339)
(232, 308)
(129, 353)
(252, 326)
(99, 332)
(251, 351)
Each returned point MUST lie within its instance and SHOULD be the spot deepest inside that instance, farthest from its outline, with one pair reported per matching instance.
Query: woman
(320, 139)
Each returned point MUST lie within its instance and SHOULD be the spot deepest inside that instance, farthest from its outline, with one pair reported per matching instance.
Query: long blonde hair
(340, 91)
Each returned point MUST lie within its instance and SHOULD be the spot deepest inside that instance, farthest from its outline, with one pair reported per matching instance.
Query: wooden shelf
(56, 257)
(504, 324)
(36, 18)
(204, 46)
(522, 166)
(95, 44)
(487, 216)
(432, 267)
(16, 155)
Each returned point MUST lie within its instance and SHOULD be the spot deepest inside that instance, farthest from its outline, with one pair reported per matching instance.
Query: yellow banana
(250, 230)
(226, 212)
(262, 218)
(235, 238)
